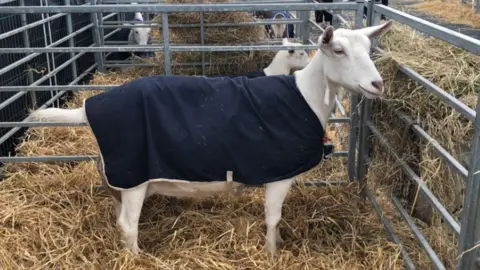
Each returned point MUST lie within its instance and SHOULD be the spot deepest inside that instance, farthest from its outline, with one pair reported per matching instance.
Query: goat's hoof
(280, 240)
(135, 250)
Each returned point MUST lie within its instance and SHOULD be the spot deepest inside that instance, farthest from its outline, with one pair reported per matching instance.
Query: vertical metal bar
(305, 16)
(166, 44)
(366, 110)
(469, 242)
(71, 41)
(26, 44)
(359, 14)
(96, 39)
(352, 139)
(102, 30)
(47, 55)
(202, 39)
(52, 54)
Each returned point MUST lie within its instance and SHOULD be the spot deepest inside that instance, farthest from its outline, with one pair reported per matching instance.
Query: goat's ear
(376, 31)
(285, 41)
(326, 37)
(291, 51)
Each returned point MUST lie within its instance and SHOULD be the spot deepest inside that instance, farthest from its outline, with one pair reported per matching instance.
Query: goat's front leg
(275, 194)
(131, 207)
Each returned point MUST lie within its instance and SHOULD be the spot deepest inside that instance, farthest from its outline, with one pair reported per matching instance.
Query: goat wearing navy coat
(188, 136)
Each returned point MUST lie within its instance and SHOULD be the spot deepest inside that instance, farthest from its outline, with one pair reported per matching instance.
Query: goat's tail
(59, 115)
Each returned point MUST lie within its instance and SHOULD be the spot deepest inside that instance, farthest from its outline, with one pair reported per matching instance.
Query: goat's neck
(313, 83)
(278, 66)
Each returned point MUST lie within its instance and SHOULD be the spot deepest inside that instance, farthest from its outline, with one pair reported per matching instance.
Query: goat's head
(346, 58)
(278, 30)
(140, 35)
(295, 59)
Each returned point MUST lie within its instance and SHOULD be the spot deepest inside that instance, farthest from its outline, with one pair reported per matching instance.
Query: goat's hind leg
(130, 209)
(275, 194)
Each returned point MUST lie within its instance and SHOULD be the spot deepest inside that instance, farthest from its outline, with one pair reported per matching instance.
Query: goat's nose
(378, 85)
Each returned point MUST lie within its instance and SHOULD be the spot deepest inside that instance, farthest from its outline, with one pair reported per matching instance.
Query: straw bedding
(52, 216)
(458, 73)
(450, 11)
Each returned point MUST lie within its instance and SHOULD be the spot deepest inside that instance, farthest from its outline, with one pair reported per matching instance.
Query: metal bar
(202, 39)
(11, 132)
(352, 137)
(342, 20)
(173, 48)
(32, 56)
(101, 34)
(26, 44)
(359, 14)
(305, 16)
(68, 124)
(39, 81)
(71, 41)
(322, 183)
(52, 55)
(232, 1)
(166, 44)
(55, 87)
(79, 158)
(469, 242)
(112, 24)
(264, 42)
(363, 142)
(46, 158)
(415, 178)
(418, 234)
(310, 183)
(340, 107)
(96, 39)
(389, 229)
(437, 91)
(30, 26)
(111, 34)
(168, 8)
(312, 22)
(453, 37)
(444, 154)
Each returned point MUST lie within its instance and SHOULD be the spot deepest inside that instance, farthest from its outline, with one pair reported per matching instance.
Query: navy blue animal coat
(199, 128)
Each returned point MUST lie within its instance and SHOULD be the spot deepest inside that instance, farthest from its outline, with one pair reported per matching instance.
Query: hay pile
(450, 11)
(457, 72)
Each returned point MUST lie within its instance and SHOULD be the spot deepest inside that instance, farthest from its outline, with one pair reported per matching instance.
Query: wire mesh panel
(42, 69)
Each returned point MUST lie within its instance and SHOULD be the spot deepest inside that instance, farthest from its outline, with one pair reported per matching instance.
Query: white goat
(343, 60)
(139, 35)
(134, 36)
(283, 62)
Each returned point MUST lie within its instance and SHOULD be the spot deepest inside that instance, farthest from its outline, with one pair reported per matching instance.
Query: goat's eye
(338, 51)
(302, 54)
(136, 32)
